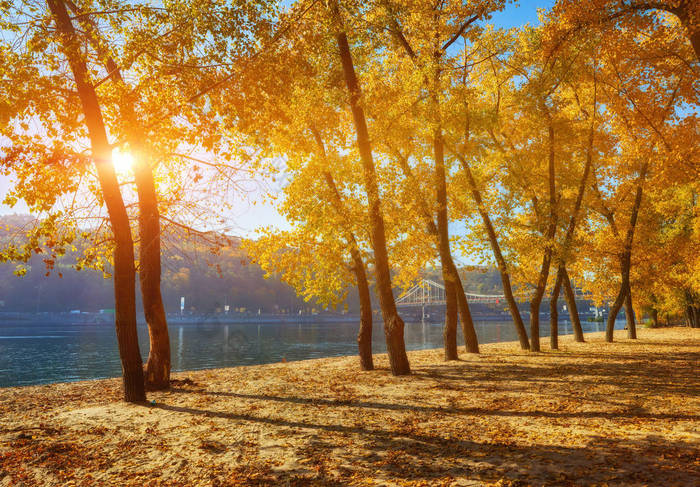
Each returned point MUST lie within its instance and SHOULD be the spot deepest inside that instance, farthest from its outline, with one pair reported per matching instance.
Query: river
(40, 353)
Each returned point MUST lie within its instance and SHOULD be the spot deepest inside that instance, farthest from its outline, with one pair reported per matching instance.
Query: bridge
(428, 292)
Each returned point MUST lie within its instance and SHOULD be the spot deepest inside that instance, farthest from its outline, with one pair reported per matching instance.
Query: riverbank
(591, 414)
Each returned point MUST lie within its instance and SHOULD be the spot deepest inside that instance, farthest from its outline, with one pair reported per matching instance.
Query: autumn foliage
(394, 135)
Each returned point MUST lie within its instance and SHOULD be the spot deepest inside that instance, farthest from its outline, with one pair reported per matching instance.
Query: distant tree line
(208, 282)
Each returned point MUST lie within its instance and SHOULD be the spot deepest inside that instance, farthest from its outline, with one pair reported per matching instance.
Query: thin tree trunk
(470, 338)
(450, 273)
(554, 311)
(500, 260)
(393, 324)
(573, 309)
(654, 318)
(364, 336)
(626, 257)
(614, 310)
(629, 314)
(452, 290)
(573, 220)
(493, 240)
(692, 311)
(502, 269)
(158, 365)
(124, 269)
(491, 232)
(547, 257)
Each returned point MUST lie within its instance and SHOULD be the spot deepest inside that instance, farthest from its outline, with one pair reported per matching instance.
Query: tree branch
(461, 30)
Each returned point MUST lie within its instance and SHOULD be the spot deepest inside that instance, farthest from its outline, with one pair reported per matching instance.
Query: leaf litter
(590, 414)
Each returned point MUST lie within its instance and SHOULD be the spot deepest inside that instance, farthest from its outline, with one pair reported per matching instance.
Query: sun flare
(123, 161)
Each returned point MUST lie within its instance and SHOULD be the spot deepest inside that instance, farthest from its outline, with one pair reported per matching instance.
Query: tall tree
(565, 249)
(393, 324)
(158, 364)
(474, 82)
(124, 268)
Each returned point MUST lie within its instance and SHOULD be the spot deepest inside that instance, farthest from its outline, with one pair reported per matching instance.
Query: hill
(208, 281)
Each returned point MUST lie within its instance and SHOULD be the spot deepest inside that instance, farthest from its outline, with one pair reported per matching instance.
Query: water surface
(38, 353)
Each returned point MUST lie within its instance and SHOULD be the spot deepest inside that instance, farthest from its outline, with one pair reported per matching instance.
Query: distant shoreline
(96, 318)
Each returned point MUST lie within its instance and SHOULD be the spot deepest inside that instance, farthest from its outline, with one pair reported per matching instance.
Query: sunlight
(123, 161)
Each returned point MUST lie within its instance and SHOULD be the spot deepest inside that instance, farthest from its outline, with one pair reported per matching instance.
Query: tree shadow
(672, 373)
(438, 409)
(408, 454)
(600, 388)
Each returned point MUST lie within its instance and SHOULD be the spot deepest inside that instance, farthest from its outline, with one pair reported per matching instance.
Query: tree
(310, 257)
(124, 269)
(158, 365)
(644, 98)
(529, 140)
(446, 24)
(475, 81)
(393, 324)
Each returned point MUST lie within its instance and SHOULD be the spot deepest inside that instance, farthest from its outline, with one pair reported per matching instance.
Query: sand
(590, 414)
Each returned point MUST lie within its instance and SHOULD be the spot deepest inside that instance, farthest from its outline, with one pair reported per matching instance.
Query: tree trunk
(619, 301)
(554, 311)
(654, 318)
(568, 237)
(626, 257)
(500, 260)
(124, 269)
(629, 314)
(490, 231)
(693, 316)
(393, 324)
(158, 365)
(562, 274)
(573, 309)
(452, 286)
(470, 338)
(547, 257)
(450, 273)
(364, 337)
(449, 332)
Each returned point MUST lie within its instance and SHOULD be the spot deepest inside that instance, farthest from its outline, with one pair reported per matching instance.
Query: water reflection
(41, 353)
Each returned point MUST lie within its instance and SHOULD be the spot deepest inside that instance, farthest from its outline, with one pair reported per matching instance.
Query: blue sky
(247, 217)
(521, 13)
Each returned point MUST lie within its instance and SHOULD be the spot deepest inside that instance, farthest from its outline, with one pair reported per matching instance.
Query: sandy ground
(591, 414)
